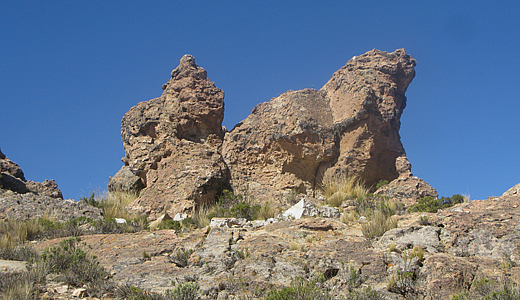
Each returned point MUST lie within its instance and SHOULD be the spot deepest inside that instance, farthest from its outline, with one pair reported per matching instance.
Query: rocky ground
(462, 244)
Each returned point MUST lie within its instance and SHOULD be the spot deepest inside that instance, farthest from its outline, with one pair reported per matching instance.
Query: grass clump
(230, 205)
(377, 224)
(380, 184)
(113, 203)
(338, 188)
(430, 204)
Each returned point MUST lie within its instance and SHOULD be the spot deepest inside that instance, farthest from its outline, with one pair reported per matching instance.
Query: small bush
(181, 257)
(73, 263)
(20, 253)
(381, 183)
(171, 224)
(301, 289)
(423, 220)
(184, 291)
(430, 204)
(402, 283)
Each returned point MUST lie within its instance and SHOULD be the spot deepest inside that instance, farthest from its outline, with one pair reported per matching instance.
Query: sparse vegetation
(430, 204)
(377, 224)
(338, 188)
(181, 257)
(113, 204)
(300, 289)
(423, 220)
(380, 184)
(294, 245)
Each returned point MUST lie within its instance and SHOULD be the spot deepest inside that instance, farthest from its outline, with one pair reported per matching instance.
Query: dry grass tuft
(294, 245)
(338, 188)
(377, 224)
(267, 211)
(114, 204)
(350, 216)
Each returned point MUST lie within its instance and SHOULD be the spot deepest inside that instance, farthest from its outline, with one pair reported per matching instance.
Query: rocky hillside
(428, 256)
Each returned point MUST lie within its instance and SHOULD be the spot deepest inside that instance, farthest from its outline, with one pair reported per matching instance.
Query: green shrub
(381, 183)
(73, 263)
(171, 224)
(184, 291)
(181, 257)
(301, 289)
(230, 205)
(430, 204)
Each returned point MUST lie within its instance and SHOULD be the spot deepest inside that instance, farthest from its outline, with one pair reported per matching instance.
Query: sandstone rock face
(515, 190)
(367, 98)
(172, 143)
(350, 126)
(282, 146)
(176, 146)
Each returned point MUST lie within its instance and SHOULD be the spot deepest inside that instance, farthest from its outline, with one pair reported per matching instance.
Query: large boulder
(350, 126)
(367, 98)
(12, 178)
(282, 146)
(172, 143)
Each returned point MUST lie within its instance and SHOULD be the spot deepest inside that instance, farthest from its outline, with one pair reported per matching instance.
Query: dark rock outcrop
(22, 199)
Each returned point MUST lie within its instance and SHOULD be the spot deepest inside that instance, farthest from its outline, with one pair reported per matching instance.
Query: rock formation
(367, 98)
(177, 152)
(282, 145)
(350, 126)
(172, 143)
(22, 199)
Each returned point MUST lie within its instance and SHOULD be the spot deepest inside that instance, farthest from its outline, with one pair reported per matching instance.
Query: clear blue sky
(69, 70)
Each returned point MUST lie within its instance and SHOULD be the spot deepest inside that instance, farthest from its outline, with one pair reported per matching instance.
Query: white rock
(120, 221)
(79, 292)
(179, 217)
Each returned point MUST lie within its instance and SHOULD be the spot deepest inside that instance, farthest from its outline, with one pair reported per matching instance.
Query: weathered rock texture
(350, 126)
(172, 143)
(175, 145)
(367, 98)
(22, 199)
(283, 145)
(463, 244)
(12, 178)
